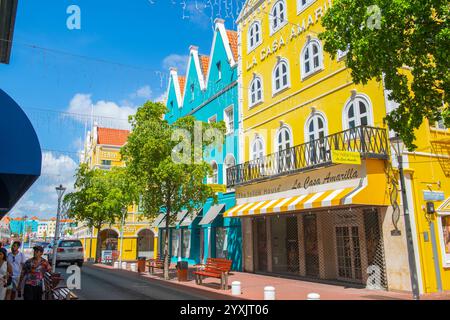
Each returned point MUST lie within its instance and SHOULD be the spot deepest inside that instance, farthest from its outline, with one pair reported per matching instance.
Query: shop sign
(306, 181)
(129, 229)
(109, 155)
(345, 157)
(433, 195)
(218, 187)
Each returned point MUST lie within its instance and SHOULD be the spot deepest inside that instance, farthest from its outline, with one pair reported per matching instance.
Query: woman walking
(33, 275)
(5, 273)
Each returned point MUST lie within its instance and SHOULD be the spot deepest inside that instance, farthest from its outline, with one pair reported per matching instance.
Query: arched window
(229, 162)
(357, 113)
(284, 139)
(254, 35)
(278, 16)
(255, 94)
(257, 149)
(318, 150)
(214, 178)
(280, 76)
(312, 58)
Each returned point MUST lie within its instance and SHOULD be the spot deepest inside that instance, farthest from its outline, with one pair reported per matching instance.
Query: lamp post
(24, 228)
(60, 191)
(398, 147)
(124, 213)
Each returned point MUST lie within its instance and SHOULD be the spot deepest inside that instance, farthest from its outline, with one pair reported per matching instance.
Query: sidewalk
(252, 286)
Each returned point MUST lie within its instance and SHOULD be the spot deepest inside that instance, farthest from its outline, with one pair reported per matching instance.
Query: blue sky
(115, 62)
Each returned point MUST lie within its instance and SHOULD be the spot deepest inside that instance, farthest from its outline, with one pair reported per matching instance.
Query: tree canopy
(406, 44)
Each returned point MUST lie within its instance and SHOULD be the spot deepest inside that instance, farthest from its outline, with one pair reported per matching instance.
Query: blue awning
(20, 157)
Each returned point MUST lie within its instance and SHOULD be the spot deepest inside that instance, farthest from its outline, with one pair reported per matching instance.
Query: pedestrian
(16, 259)
(33, 275)
(5, 273)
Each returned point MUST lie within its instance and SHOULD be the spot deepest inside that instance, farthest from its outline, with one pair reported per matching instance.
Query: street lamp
(24, 228)
(122, 224)
(398, 146)
(60, 192)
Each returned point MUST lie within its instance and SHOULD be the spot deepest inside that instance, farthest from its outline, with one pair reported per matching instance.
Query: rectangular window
(444, 237)
(213, 119)
(229, 119)
(106, 162)
(192, 92)
(186, 243)
(221, 243)
(175, 242)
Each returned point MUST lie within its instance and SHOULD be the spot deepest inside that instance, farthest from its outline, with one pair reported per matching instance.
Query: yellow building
(428, 181)
(102, 151)
(314, 186)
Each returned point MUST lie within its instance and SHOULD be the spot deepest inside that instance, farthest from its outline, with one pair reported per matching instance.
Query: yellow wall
(430, 173)
(327, 90)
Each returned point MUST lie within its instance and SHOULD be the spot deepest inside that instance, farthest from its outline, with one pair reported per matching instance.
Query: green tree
(406, 43)
(170, 178)
(100, 197)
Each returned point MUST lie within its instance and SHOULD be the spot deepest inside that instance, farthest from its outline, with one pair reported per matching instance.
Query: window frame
(214, 178)
(219, 70)
(301, 7)
(309, 45)
(282, 129)
(250, 48)
(254, 80)
(226, 166)
(272, 17)
(263, 148)
(288, 84)
(357, 119)
(226, 117)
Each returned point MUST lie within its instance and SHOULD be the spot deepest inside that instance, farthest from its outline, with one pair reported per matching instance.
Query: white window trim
(445, 257)
(321, 67)
(211, 178)
(253, 143)
(271, 17)
(370, 120)
(274, 91)
(212, 117)
(257, 44)
(251, 105)
(301, 8)
(325, 123)
(225, 166)
(225, 117)
(291, 137)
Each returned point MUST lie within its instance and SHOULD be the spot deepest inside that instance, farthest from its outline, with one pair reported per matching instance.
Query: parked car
(68, 251)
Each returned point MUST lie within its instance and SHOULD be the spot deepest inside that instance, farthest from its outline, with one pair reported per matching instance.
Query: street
(103, 284)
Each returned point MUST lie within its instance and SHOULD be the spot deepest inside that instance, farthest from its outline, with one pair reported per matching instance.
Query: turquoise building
(209, 92)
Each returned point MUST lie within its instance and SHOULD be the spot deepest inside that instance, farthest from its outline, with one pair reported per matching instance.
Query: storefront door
(311, 245)
(284, 232)
(348, 253)
(261, 245)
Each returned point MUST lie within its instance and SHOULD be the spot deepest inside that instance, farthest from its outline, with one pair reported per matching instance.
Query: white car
(68, 251)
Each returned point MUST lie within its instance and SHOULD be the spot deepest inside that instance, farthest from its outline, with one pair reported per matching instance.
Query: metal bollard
(116, 265)
(133, 267)
(124, 266)
(313, 296)
(236, 288)
(269, 293)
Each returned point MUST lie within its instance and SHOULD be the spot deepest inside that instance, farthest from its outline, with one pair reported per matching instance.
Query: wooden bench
(157, 263)
(53, 292)
(214, 268)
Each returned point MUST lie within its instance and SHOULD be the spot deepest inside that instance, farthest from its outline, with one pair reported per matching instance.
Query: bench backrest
(223, 264)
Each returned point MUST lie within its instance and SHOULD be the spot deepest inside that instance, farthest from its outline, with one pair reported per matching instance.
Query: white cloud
(106, 113)
(143, 92)
(41, 199)
(176, 61)
(197, 14)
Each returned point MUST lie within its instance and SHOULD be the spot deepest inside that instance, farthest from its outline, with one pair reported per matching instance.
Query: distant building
(20, 225)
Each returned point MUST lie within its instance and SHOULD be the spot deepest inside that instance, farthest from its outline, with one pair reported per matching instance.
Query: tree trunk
(166, 249)
(98, 250)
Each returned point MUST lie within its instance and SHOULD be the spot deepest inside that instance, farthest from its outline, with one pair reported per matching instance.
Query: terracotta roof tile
(114, 137)
(233, 38)
(204, 62)
(182, 83)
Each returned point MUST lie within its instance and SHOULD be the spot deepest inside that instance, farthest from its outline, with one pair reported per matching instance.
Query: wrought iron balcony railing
(370, 142)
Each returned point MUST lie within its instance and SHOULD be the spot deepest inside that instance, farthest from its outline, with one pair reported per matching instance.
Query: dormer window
(192, 92)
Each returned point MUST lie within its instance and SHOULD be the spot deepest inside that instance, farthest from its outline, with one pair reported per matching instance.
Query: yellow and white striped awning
(444, 208)
(301, 202)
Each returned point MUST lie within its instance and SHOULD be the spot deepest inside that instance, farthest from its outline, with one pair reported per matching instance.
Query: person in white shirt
(17, 260)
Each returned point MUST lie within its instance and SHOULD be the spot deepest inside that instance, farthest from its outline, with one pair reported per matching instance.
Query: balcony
(370, 142)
